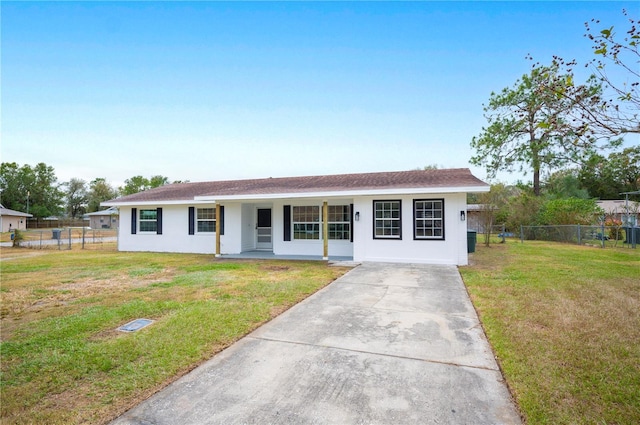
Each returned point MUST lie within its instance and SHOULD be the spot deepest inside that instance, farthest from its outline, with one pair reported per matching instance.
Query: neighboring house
(474, 217)
(11, 220)
(105, 219)
(408, 216)
(620, 209)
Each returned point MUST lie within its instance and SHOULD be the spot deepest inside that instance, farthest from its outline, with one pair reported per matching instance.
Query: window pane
(206, 213)
(306, 221)
(206, 226)
(338, 220)
(148, 214)
(387, 219)
(428, 219)
(148, 220)
(206, 218)
(306, 231)
(339, 213)
(148, 226)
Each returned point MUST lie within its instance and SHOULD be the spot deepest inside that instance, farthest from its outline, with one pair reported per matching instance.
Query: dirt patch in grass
(8, 254)
(274, 268)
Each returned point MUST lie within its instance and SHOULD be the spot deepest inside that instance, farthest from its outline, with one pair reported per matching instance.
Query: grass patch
(564, 322)
(64, 362)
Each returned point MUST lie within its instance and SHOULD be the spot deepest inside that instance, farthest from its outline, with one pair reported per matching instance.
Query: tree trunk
(536, 181)
(535, 164)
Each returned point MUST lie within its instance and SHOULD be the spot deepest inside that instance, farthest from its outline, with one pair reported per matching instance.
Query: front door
(263, 229)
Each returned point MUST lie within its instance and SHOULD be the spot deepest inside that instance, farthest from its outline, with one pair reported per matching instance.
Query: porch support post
(325, 230)
(217, 229)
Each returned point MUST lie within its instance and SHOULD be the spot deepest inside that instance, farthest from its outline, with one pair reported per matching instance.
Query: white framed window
(306, 222)
(206, 220)
(148, 220)
(339, 222)
(428, 219)
(387, 222)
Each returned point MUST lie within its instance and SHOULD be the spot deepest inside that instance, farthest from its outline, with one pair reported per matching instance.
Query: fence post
(83, 232)
(69, 233)
(579, 238)
(521, 233)
(602, 233)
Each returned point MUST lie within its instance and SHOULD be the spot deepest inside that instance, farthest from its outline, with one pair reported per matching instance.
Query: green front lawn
(564, 322)
(63, 361)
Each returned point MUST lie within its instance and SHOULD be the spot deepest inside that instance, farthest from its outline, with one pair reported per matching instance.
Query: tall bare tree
(615, 68)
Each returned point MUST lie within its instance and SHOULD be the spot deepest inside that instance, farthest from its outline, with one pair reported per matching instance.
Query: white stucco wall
(175, 232)
(240, 222)
(451, 250)
(9, 222)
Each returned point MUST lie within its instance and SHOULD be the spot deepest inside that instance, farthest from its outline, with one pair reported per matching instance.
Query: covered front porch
(306, 229)
(269, 255)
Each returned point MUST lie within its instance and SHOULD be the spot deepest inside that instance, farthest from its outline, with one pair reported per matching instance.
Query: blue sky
(215, 90)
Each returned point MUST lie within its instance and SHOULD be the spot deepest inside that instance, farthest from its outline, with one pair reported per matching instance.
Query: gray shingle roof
(7, 212)
(416, 179)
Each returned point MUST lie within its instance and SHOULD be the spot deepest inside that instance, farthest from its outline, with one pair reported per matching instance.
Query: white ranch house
(408, 216)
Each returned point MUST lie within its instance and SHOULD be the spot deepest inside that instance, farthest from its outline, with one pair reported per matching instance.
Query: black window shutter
(351, 223)
(159, 218)
(192, 220)
(134, 220)
(221, 219)
(287, 222)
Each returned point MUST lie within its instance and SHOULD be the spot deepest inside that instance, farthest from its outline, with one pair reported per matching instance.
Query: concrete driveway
(384, 344)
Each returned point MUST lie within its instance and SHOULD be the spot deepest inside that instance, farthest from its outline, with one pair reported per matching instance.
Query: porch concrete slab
(383, 344)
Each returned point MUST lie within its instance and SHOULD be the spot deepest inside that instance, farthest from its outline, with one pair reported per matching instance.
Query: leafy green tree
(34, 187)
(99, 191)
(531, 126)
(77, 197)
(570, 211)
(523, 209)
(46, 197)
(139, 183)
(157, 181)
(607, 178)
(12, 185)
(598, 179)
(429, 167)
(134, 185)
(564, 184)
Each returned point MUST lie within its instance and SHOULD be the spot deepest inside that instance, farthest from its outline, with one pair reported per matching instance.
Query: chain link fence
(67, 238)
(600, 236)
(603, 236)
(498, 233)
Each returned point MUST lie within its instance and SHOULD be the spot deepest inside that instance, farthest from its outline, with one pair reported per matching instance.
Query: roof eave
(207, 199)
(345, 193)
(12, 213)
(115, 203)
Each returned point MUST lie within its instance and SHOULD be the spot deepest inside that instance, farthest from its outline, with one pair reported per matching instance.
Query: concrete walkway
(384, 344)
